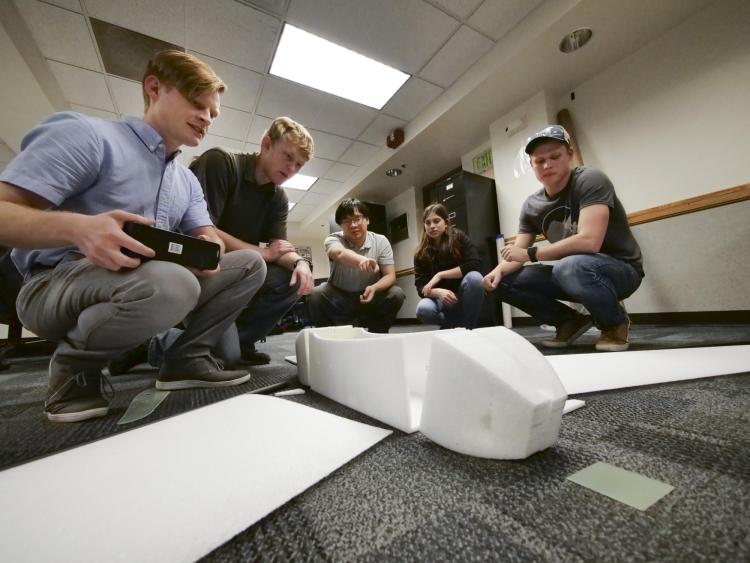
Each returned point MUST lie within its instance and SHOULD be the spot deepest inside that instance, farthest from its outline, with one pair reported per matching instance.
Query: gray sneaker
(75, 393)
(198, 374)
(568, 331)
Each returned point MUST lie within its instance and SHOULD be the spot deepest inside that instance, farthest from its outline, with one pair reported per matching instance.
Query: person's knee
(247, 259)
(472, 280)
(395, 295)
(426, 309)
(171, 288)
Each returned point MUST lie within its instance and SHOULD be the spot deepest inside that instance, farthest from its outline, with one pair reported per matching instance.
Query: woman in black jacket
(447, 276)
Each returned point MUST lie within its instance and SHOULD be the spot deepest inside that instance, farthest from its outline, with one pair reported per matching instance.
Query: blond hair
(190, 75)
(286, 128)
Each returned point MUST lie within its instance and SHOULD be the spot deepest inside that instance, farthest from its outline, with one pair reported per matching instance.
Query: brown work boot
(198, 374)
(614, 339)
(75, 393)
(568, 331)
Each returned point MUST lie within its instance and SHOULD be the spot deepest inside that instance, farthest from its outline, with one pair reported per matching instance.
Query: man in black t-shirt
(249, 207)
(598, 261)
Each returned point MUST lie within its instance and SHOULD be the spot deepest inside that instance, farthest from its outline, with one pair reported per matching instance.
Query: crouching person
(63, 203)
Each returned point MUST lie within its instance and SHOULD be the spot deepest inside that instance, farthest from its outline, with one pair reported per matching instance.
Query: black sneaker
(568, 331)
(75, 393)
(251, 357)
(198, 374)
(130, 359)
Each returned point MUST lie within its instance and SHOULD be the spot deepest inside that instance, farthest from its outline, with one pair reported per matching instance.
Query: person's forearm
(507, 268)
(289, 260)
(385, 282)
(576, 244)
(233, 243)
(346, 257)
(25, 227)
(452, 274)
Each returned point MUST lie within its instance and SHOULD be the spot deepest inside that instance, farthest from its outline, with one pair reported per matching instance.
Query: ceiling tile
(250, 148)
(61, 35)
(412, 98)
(211, 141)
(317, 167)
(312, 198)
(277, 7)
(328, 145)
(6, 153)
(243, 85)
(300, 212)
(459, 8)
(258, 128)
(125, 52)
(128, 96)
(455, 58)
(314, 109)
(231, 123)
(340, 172)
(82, 87)
(232, 32)
(95, 112)
(377, 132)
(294, 195)
(74, 5)
(401, 34)
(359, 153)
(498, 18)
(324, 186)
(164, 19)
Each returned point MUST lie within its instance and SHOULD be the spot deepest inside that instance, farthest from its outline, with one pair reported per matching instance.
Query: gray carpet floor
(409, 499)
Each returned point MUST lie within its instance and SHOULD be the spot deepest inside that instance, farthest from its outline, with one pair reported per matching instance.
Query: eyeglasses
(353, 220)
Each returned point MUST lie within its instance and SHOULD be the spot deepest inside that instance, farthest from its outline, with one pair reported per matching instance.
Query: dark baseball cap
(550, 132)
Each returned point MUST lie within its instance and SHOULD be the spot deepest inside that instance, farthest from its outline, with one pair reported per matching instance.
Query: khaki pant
(95, 315)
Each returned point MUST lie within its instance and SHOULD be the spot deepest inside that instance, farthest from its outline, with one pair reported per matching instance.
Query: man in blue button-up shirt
(63, 203)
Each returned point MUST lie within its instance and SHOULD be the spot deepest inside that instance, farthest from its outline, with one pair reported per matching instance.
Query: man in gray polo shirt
(360, 289)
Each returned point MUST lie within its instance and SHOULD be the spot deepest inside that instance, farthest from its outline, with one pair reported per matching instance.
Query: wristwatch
(303, 260)
(531, 251)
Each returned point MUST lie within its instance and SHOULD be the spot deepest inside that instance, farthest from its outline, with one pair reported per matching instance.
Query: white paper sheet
(176, 489)
(585, 373)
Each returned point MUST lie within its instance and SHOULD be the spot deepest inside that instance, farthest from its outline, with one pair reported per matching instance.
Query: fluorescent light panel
(292, 204)
(305, 58)
(300, 182)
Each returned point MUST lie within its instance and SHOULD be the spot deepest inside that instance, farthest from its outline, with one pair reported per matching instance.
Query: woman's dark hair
(449, 243)
(348, 207)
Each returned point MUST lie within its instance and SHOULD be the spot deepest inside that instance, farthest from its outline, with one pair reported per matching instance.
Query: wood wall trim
(404, 272)
(682, 206)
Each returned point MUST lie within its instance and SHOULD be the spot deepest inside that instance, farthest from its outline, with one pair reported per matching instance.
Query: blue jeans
(597, 281)
(465, 313)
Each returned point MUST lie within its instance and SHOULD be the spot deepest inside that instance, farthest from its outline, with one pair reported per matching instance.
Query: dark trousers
(331, 306)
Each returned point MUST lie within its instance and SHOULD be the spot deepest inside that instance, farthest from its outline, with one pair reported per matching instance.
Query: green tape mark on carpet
(142, 405)
(622, 485)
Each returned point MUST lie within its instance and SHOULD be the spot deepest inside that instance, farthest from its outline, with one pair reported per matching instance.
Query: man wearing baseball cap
(597, 261)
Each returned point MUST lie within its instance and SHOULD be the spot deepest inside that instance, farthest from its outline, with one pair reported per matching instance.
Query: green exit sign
(483, 162)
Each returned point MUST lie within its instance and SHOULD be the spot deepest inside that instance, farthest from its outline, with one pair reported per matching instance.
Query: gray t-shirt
(346, 278)
(557, 218)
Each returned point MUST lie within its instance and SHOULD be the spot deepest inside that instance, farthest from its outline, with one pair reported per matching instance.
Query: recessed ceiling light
(305, 58)
(393, 172)
(300, 182)
(292, 204)
(575, 39)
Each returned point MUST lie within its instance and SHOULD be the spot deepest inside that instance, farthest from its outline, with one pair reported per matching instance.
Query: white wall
(670, 121)
(403, 251)
(467, 160)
